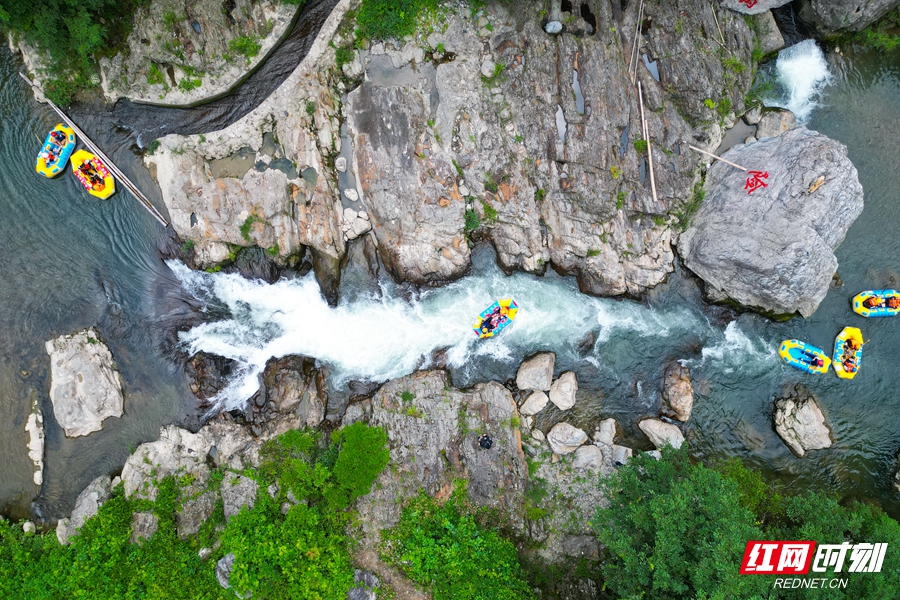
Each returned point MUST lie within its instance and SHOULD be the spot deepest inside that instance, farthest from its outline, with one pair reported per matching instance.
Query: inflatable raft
(874, 303)
(105, 186)
(495, 318)
(851, 351)
(64, 149)
(804, 356)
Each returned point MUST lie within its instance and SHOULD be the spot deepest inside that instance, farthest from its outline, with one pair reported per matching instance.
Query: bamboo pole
(713, 8)
(646, 132)
(131, 187)
(727, 162)
(632, 62)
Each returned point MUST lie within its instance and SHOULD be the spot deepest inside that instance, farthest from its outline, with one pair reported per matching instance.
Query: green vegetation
(459, 169)
(676, 530)
(387, 19)
(734, 64)
(343, 55)
(472, 220)
(539, 195)
(407, 396)
(152, 147)
(155, 76)
(245, 45)
(621, 197)
(446, 549)
(709, 103)
(592, 252)
(686, 214)
(490, 184)
(640, 146)
(248, 224)
(71, 35)
(724, 107)
(310, 107)
(272, 250)
(302, 554)
(490, 213)
(615, 171)
(187, 246)
(881, 36)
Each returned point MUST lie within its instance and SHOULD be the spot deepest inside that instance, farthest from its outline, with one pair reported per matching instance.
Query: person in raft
(849, 365)
(893, 302)
(49, 155)
(58, 136)
(812, 359)
(874, 302)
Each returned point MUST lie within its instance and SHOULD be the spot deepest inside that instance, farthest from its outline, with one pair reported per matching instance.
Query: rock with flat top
(563, 390)
(662, 434)
(588, 457)
(534, 404)
(85, 387)
(677, 392)
(565, 438)
(536, 373)
(86, 506)
(606, 432)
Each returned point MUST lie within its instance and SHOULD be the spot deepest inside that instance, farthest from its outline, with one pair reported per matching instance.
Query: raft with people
(877, 303)
(495, 318)
(805, 357)
(848, 352)
(93, 174)
(55, 152)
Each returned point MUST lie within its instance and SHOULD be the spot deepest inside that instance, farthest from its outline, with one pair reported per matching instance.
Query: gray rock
(773, 123)
(606, 432)
(581, 546)
(662, 434)
(768, 34)
(760, 6)
(775, 250)
(87, 504)
(677, 392)
(364, 588)
(800, 423)
(143, 526)
(752, 116)
(534, 404)
(237, 492)
(34, 427)
(351, 194)
(197, 54)
(830, 17)
(28, 527)
(223, 569)
(487, 67)
(538, 435)
(193, 513)
(563, 390)
(588, 457)
(655, 454)
(85, 387)
(621, 454)
(536, 373)
(565, 439)
(340, 163)
(204, 553)
(553, 27)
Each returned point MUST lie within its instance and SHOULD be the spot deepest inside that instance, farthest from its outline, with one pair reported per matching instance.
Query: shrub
(640, 146)
(246, 46)
(445, 549)
(384, 19)
(490, 213)
(342, 56)
(154, 75)
(472, 221)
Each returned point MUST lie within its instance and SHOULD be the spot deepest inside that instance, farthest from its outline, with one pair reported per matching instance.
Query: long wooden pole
(632, 59)
(109, 164)
(727, 162)
(646, 132)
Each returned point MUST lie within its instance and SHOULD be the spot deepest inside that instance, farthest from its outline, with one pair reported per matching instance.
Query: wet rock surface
(800, 423)
(85, 387)
(662, 433)
(831, 16)
(774, 250)
(677, 392)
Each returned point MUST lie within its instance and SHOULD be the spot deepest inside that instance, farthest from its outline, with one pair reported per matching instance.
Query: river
(73, 262)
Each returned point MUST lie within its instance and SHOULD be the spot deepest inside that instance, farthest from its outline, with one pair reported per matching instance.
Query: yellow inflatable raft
(847, 355)
(61, 147)
(877, 303)
(805, 357)
(495, 318)
(95, 178)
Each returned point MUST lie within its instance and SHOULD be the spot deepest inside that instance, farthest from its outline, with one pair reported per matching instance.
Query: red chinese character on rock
(749, 3)
(754, 182)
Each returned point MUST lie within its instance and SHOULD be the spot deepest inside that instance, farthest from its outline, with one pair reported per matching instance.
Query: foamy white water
(801, 74)
(387, 337)
(734, 349)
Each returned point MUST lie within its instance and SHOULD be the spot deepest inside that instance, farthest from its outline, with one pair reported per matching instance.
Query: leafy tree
(444, 548)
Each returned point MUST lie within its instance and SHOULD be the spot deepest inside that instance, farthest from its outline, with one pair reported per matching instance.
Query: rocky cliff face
(185, 52)
(477, 130)
(832, 16)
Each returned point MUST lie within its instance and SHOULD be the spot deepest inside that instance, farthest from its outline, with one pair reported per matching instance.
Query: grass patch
(248, 224)
(245, 45)
(490, 213)
(640, 146)
(472, 220)
(154, 75)
(686, 215)
(391, 19)
(621, 197)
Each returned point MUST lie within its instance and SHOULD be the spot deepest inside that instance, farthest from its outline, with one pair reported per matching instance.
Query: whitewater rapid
(801, 75)
(381, 337)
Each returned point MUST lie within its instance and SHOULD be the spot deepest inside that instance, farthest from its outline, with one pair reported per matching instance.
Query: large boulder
(832, 16)
(677, 392)
(85, 387)
(565, 439)
(237, 492)
(563, 390)
(774, 250)
(661, 433)
(800, 422)
(34, 427)
(536, 373)
(87, 504)
(753, 8)
(534, 404)
(773, 123)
